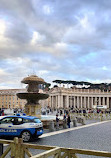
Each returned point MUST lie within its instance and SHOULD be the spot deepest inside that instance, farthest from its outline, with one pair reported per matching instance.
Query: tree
(101, 86)
(47, 86)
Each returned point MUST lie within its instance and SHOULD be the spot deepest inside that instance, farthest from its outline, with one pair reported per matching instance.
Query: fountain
(32, 95)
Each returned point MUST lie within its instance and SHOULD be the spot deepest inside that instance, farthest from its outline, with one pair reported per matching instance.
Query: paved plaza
(95, 136)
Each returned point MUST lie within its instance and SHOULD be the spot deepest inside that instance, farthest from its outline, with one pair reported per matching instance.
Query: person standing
(64, 122)
(0, 112)
(64, 117)
(68, 120)
(3, 113)
(57, 122)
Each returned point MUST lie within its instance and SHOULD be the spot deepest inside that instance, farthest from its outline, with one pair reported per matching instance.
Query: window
(17, 121)
(37, 120)
(7, 120)
(27, 121)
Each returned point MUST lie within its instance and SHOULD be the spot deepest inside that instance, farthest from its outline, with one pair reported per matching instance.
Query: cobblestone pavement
(96, 137)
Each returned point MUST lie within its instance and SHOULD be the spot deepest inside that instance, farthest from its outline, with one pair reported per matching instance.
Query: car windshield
(36, 120)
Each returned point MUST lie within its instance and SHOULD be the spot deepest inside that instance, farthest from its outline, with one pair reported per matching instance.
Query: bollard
(75, 122)
(51, 126)
(1, 149)
(83, 121)
(78, 119)
(101, 117)
(57, 125)
(64, 124)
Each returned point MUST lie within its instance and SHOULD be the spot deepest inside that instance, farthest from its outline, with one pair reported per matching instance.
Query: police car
(26, 127)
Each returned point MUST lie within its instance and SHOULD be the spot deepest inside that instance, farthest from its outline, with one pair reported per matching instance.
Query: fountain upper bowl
(32, 95)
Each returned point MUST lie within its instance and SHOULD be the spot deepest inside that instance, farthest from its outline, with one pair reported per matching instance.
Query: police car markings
(8, 130)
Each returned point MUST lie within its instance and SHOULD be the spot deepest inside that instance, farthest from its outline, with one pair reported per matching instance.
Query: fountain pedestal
(33, 110)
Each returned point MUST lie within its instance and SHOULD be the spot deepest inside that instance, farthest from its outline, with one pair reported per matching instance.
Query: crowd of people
(66, 114)
(76, 110)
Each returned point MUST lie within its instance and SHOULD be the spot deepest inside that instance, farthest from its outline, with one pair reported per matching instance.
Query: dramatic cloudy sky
(55, 39)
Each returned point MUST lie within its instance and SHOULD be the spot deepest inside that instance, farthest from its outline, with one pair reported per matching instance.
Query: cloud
(56, 40)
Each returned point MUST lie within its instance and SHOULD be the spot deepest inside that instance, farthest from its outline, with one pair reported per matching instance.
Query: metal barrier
(92, 116)
(18, 149)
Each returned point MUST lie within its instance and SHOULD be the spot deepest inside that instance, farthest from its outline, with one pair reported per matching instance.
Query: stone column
(103, 100)
(71, 101)
(56, 101)
(74, 101)
(88, 102)
(84, 102)
(107, 102)
(77, 102)
(80, 101)
(67, 101)
(52, 101)
(59, 101)
(95, 100)
(92, 102)
(99, 100)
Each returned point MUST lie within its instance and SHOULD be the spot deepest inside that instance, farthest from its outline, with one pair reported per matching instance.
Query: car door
(7, 127)
(18, 125)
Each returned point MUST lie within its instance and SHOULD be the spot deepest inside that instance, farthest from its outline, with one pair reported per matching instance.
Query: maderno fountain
(32, 107)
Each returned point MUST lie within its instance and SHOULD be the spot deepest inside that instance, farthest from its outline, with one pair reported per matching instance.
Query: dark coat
(68, 119)
(57, 119)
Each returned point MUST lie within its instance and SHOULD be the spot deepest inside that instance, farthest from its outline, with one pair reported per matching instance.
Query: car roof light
(17, 114)
(24, 114)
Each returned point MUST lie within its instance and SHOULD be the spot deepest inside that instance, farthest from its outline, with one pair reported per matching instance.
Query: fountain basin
(46, 119)
(32, 95)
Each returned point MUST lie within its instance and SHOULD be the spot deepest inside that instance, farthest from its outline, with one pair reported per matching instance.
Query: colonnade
(78, 101)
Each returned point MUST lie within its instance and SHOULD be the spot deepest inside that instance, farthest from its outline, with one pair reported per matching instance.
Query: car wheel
(26, 136)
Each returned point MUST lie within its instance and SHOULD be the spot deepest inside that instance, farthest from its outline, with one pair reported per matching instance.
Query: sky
(55, 39)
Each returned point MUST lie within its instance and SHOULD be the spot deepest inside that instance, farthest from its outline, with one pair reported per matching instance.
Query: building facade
(61, 97)
(9, 99)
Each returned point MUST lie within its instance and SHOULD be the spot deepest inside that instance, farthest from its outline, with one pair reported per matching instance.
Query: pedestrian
(60, 112)
(0, 112)
(64, 121)
(68, 120)
(64, 117)
(57, 122)
(84, 112)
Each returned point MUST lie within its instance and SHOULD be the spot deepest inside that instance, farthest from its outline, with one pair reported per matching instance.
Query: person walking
(68, 120)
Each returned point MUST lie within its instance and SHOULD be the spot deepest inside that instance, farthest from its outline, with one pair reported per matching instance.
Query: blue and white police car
(26, 127)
